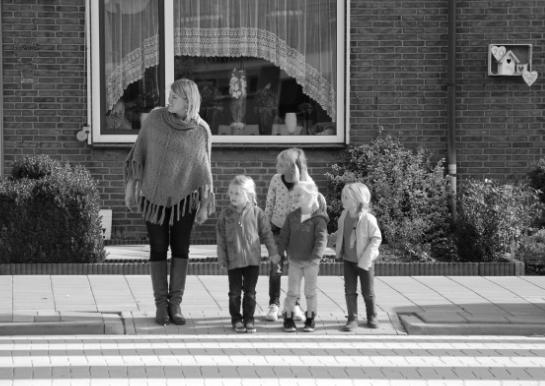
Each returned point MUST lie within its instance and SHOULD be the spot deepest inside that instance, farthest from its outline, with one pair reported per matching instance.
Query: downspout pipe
(451, 113)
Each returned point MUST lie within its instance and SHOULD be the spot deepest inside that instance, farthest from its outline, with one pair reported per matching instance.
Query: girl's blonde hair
(247, 184)
(360, 193)
(187, 89)
(295, 157)
(310, 188)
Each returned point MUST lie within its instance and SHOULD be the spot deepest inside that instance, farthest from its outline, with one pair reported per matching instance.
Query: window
(269, 71)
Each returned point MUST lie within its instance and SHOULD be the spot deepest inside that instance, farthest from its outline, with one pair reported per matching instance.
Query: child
(304, 238)
(240, 229)
(291, 166)
(358, 238)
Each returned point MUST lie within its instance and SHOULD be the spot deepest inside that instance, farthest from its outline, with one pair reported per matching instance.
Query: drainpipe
(451, 113)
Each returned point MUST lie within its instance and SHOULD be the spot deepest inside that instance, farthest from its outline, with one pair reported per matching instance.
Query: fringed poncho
(170, 162)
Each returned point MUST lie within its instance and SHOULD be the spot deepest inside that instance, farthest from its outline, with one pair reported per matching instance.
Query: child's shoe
(250, 327)
(350, 325)
(298, 313)
(272, 313)
(289, 324)
(309, 324)
(239, 327)
(372, 322)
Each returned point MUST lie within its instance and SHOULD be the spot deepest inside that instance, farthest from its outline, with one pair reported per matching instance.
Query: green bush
(493, 218)
(536, 177)
(531, 249)
(34, 167)
(54, 218)
(409, 197)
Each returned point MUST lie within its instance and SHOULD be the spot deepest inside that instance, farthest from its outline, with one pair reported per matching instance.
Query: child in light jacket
(240, 229)
(358, 238)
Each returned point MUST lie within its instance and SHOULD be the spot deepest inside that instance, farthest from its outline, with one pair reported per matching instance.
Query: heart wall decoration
(529, 77)
(498, 52)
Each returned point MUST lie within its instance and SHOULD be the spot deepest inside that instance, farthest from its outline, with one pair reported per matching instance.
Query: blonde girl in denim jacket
(358, 238)
(240, 229)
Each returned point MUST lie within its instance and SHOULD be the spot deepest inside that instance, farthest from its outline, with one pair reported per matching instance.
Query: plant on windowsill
(266, 106)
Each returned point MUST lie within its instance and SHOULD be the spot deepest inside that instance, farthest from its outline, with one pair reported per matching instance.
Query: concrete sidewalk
(123, 304)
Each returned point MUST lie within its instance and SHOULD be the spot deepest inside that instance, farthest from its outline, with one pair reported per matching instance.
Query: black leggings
(176, 235)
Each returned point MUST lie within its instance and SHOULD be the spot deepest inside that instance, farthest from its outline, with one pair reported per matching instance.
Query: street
(271, 359)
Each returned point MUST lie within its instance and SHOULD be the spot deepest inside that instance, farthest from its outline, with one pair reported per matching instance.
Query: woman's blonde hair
(247, 184)
(360, 193)
(295, 157)
(187, 89)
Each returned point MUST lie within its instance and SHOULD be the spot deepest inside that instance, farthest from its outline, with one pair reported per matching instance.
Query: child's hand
(332, 240)
(275, 259)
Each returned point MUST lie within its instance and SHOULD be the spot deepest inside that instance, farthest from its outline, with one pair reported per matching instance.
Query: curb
(70, 323)
(327, 268)
(414, 325)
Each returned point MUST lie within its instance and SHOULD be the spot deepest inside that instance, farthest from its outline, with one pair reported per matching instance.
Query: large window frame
(95, 97)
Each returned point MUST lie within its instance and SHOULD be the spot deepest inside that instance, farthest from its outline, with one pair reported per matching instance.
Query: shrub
(409, 196)
(34, 167)
(492, 218)
(54, 218)
(536, 177)
(531, 249)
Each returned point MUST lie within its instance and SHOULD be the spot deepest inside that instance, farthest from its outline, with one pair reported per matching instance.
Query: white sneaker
(272, 313)
(298, 313)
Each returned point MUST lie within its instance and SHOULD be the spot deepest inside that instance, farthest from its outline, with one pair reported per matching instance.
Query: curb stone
(63, 323)
(414, 325)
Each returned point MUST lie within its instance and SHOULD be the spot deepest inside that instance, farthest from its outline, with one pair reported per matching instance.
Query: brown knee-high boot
(159, 281)
(178, 274)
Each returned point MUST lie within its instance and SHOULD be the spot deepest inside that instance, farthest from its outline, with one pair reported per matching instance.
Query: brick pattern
(398, 71)
(399, 74)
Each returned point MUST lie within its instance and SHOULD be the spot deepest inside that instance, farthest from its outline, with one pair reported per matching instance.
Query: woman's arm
(134, 170)
(221, 241)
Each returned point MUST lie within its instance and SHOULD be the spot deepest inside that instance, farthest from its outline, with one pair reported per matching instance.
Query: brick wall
(398, 81)
(399, 73)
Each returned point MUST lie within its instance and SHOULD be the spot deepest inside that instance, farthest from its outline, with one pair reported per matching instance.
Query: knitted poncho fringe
(170, 163)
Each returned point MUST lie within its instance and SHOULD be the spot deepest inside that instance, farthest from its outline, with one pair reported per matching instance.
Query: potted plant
(266, 107)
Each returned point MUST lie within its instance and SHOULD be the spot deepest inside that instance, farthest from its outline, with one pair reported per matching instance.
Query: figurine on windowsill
(237, 90)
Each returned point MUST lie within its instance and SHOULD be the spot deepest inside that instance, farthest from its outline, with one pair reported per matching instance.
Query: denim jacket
(239, 236)
(304, 240)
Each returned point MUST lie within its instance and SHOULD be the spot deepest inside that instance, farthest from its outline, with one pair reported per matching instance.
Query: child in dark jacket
(241, 227)
(304, 238)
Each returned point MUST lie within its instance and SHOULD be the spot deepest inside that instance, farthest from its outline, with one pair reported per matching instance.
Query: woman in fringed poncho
(169, 179)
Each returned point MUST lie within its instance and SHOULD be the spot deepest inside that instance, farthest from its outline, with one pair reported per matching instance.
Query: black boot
(159, 283)
(289, 323)
(178, 274)
(309, 323)
(370, 310)
(352, 308)
(248, 311)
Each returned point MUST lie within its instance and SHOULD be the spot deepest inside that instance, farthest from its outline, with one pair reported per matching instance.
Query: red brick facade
(398, 78)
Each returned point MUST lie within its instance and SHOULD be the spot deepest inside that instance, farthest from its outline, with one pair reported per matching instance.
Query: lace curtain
(298, 36)
(131, 30)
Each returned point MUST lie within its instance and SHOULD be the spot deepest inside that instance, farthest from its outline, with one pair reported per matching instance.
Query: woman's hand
(131, 191)
(202, 215)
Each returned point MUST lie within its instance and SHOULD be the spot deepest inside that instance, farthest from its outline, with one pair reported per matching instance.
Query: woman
(169, 179)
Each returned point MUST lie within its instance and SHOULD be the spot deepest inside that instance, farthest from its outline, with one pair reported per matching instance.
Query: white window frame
(94, 95)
